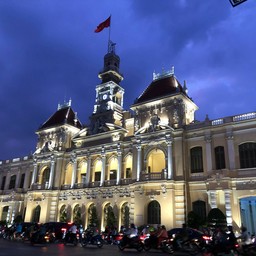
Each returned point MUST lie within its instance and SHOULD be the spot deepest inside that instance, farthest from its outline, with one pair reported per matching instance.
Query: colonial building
(152, 164)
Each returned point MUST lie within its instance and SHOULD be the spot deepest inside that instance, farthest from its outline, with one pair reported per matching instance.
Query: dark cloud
(49, 53)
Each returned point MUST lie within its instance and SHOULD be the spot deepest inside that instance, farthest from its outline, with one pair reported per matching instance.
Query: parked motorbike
(89, 238)
(134, 242)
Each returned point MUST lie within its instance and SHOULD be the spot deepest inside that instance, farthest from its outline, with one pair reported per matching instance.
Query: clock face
(104, 96)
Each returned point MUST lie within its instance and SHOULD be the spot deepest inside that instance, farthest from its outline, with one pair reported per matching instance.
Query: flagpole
(109, 33)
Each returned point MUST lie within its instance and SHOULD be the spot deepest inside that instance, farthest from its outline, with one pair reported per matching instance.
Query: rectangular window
(128, 173)
(22, 179)
(196, 155)
(12, 182)
(3, 183)
(220, 158)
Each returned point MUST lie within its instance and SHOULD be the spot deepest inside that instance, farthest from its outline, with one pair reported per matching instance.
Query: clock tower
(108, 107)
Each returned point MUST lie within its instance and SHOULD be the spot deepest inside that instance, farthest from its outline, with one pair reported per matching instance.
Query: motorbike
(70, 238)
(134, 242)
(151, 242)
(113, 239)
(39, 238)
(89, 238)
(223, 249)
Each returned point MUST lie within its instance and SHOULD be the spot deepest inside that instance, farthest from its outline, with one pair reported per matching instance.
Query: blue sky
(49, 53)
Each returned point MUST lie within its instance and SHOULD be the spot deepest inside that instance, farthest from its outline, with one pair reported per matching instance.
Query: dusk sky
(49, 53)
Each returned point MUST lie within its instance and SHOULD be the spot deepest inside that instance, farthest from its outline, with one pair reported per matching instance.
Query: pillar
(51, 179)
(138, 146)
(169, 157)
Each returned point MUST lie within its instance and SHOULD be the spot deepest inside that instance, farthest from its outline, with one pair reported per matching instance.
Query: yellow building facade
(152, 164)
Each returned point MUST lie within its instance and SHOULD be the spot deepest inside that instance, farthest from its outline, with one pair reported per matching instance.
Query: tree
(216, 218)
(93, 216)
(194, 220)
(111, 219)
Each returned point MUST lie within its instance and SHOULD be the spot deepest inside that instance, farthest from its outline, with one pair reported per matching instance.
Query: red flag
(102, 25)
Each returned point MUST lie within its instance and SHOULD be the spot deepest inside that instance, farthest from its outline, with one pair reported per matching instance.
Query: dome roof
(160, 88)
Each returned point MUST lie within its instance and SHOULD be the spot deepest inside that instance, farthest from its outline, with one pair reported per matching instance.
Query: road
(14, 248)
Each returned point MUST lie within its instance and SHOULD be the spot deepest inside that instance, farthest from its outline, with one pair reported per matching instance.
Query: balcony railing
(153, 176)
(108, 183)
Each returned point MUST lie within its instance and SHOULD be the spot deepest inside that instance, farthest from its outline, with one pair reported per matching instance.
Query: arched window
(36, 214)
(196, 158)
(247, 155)
(220, 158)
(46, 175)
(154, 213)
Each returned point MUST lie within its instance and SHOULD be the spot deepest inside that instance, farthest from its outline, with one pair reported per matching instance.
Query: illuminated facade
(153, 164)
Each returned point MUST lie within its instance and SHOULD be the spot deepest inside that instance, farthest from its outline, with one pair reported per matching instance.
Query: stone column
(51, 179)
(74, 171)
(88, 170)
(208, 141)
(138, 146)
(103, 170)
(7, 180)
(17, 179)
(119, 169)
(228, 207)
(231, 150)
(213, 199)
(34, 177)
(169, 157)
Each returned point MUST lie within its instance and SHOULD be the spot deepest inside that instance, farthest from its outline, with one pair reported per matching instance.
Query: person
(231, 238)
(80, 230)
(131, 233)
(72, 232)
(182, 236)
(17, 231)
(245, 237)
(162, 235)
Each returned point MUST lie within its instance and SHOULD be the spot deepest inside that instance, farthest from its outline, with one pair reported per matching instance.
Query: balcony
(37, 186)
(108, 183)
(65, 186)
(153, 176)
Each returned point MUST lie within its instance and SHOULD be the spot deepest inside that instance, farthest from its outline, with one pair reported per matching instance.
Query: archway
(155, 161)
